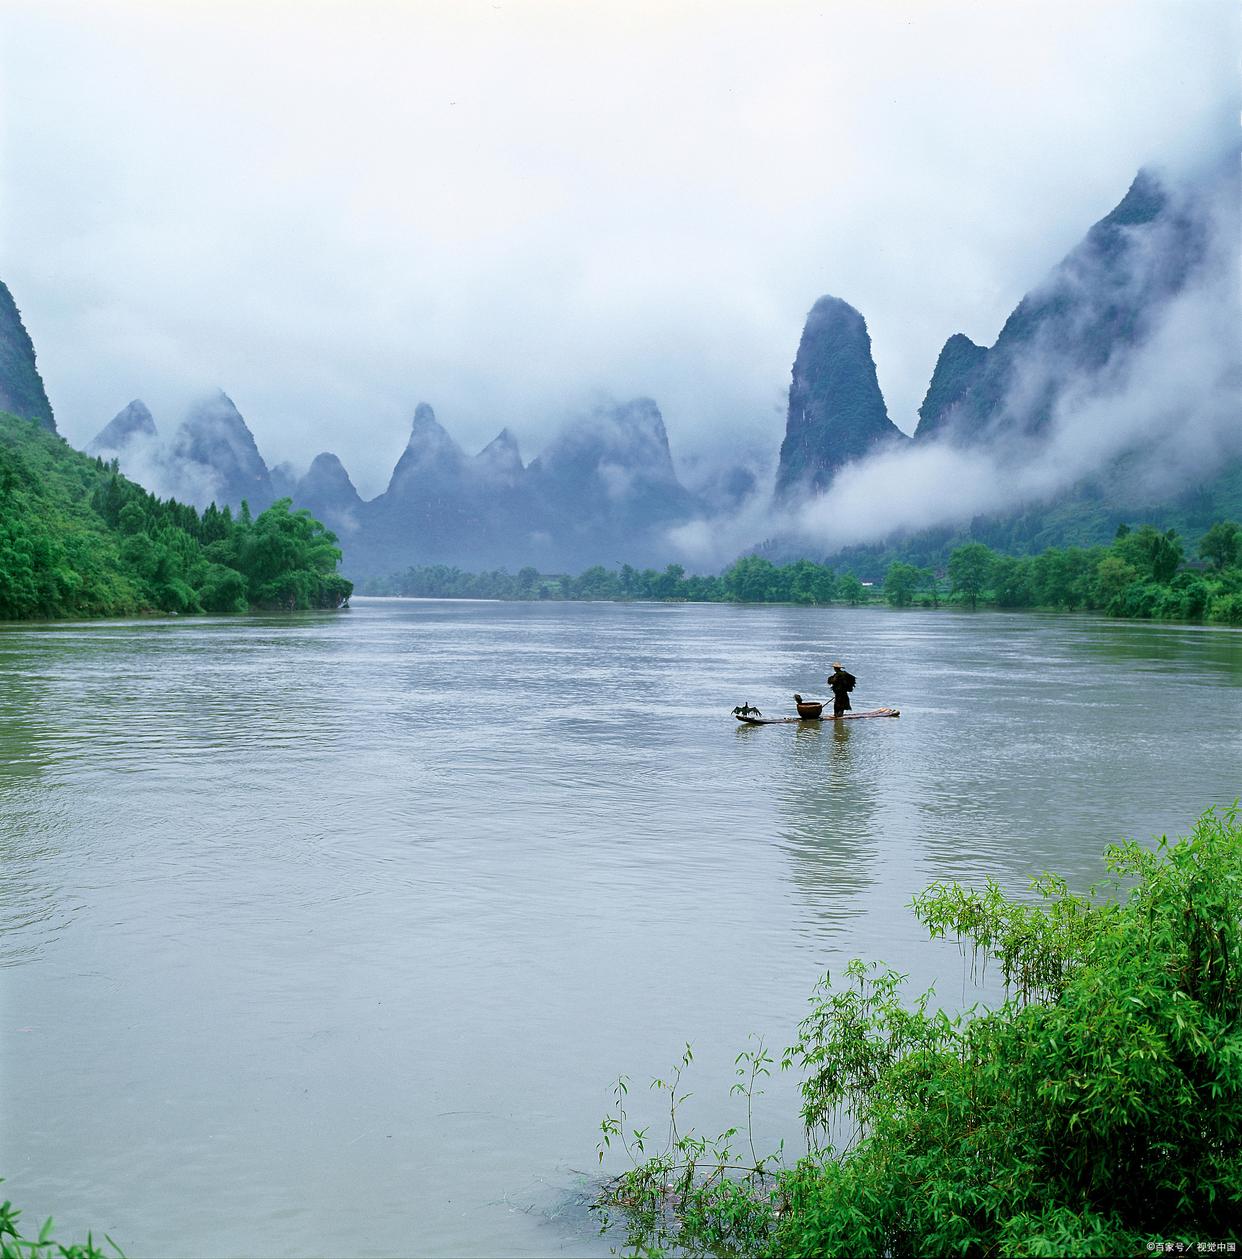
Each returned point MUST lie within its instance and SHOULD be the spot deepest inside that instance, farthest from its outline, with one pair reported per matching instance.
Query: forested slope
(77, 539)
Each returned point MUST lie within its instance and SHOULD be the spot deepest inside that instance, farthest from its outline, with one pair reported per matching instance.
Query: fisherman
(842, 684)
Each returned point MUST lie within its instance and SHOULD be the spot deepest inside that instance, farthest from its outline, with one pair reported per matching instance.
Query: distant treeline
(1143, 573)
(78, 539)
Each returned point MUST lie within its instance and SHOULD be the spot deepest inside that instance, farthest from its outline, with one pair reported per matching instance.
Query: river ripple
(327, 934)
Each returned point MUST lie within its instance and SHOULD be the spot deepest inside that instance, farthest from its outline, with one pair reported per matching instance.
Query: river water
(328, 934)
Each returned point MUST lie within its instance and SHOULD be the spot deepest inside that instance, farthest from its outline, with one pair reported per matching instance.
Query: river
(328, 934)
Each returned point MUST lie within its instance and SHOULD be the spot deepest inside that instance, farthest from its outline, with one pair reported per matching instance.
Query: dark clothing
(842, 684)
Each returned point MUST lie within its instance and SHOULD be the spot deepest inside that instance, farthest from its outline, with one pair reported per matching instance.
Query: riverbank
(1098, 1111)
(1142, 575)
(79, 540)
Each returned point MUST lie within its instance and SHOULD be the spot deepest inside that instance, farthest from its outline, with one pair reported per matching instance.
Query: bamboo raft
(787, 721)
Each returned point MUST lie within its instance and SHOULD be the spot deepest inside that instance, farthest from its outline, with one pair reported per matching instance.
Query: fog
(1172, 406)
(335, 211)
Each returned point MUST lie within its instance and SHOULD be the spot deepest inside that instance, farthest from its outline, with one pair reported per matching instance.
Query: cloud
(147, 459)
(1171, 407)
(333, 212)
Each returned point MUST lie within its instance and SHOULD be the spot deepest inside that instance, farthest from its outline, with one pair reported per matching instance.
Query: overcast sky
(335, 211)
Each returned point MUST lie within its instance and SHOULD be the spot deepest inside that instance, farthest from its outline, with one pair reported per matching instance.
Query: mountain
(79, 540)
(212, 457)
(836, 410)
(428, 509)
(133, 424)
(329, 495)
(500, 462)
(21, 386)
(613, 466)
(1101, 301)
(284, 478)
(957, 365)
(605, 484)
(215, 458)
(1110, 394)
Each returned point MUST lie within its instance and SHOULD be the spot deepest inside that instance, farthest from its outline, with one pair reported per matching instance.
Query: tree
(1011, 582)
(595, 583)
(1221, 546)
(1112, 576)
(900, 583)
(810, 582)
(668, 584)
(1060, 577)
(1153, 553)
(850, 590)
(750, 579)
(970, 567)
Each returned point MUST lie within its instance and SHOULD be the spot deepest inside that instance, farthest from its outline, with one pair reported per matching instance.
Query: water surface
(327, 934)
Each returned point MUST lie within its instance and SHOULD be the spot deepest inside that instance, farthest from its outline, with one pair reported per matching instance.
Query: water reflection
(428, 872)
(1213, 652)
(826, 799)
(33, 901)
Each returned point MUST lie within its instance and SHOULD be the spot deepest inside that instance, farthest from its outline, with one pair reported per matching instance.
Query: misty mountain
(284, 478)
(1112, 394)
(213, 446)
(21, 386)
(433, 505)
(132, 425)
(605, 484)
(1102, 300)
(613, 469)
(212, 456)
(836, 410)
(329, 495)
(1086, 515)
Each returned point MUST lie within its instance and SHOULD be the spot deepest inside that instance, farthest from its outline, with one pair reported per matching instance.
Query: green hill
(1087, 515)
(21, 386)
(77, 539)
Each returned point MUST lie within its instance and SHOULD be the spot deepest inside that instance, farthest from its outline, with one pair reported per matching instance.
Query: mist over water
(328, 934)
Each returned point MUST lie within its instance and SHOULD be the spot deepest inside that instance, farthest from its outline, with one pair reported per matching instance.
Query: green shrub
(1227, 609)
(78, 539)
(1098, 1110)
(44, 1246)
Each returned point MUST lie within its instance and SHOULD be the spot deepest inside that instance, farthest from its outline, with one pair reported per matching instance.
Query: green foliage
(44, 1246)
(1140, 574)
(850, 590)
(752, 579)
(78, 539)
(1096, 1111)
(1155, 555)
(710, 1194)
(1222, 544)
(902, 581)
(970, 567)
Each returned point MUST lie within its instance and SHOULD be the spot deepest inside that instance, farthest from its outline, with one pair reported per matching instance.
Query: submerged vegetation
(1143, 573)
(1097, 1111)
(78, 539)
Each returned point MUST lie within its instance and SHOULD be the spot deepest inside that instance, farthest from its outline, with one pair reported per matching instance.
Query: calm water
(328, 935)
